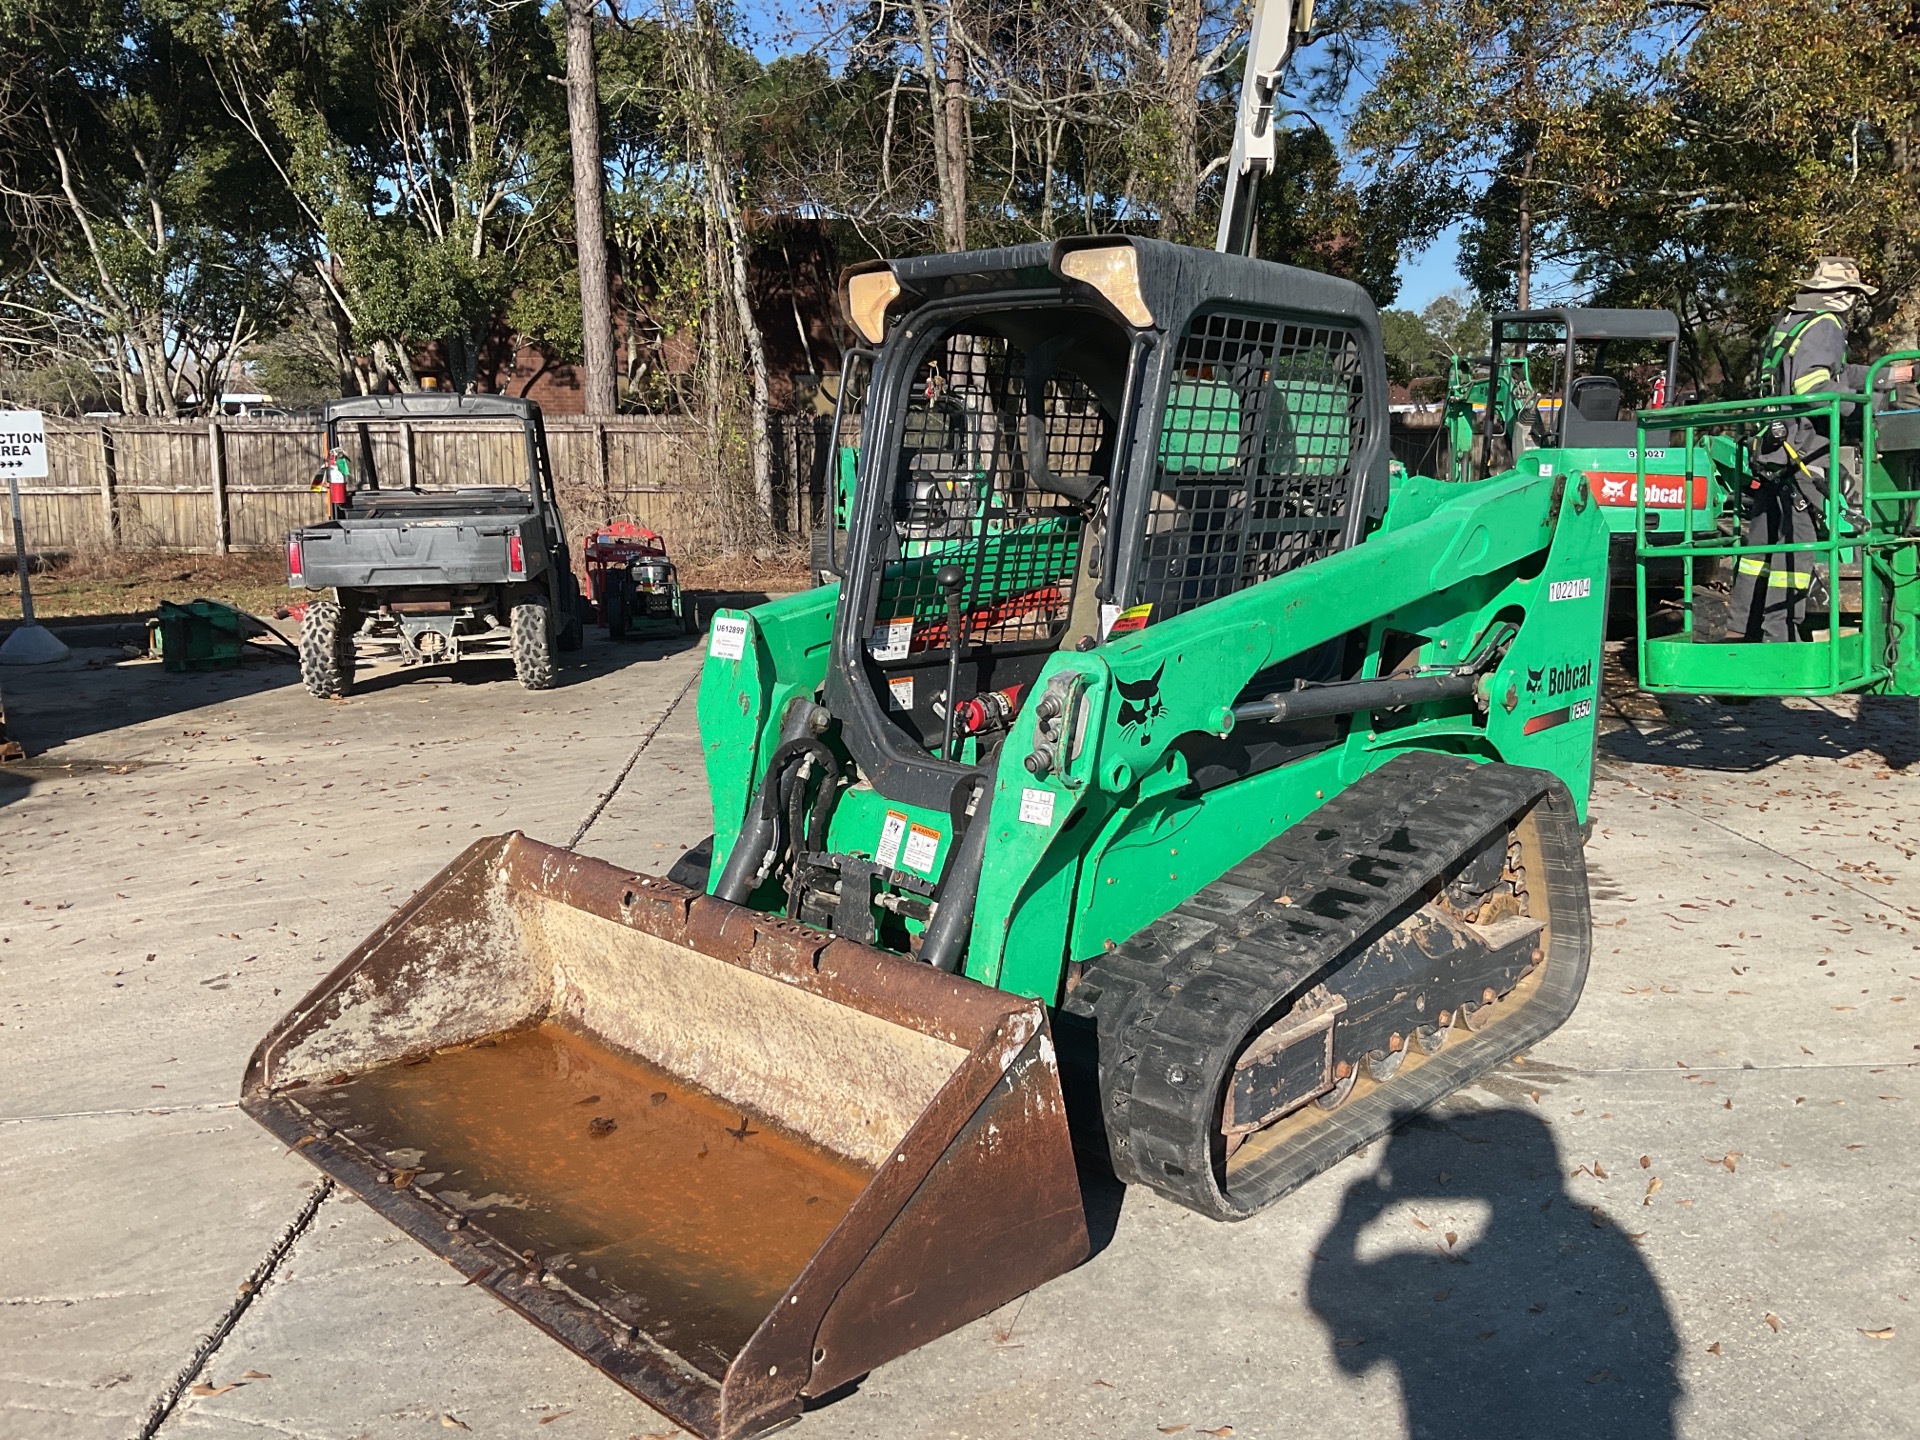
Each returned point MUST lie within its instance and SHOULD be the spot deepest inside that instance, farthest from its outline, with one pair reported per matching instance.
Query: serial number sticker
(892, 831)
(1036, 807)
(729, 639)
(1579, 589)
(892, 640)
(900, 693)
(922, 845)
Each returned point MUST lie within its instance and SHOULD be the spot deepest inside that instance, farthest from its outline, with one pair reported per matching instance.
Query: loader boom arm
(1275, 26)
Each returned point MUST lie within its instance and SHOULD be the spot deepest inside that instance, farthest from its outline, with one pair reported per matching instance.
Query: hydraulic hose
(751, 855)
(944, 943)
(1352, 697)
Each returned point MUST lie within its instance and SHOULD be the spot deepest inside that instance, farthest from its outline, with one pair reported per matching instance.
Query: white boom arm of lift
(1277, 24)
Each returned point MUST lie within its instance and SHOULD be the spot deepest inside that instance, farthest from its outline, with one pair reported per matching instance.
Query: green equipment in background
(199, 635)
(1864, 634)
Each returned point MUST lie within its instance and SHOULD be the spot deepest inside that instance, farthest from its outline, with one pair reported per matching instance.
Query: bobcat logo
(1140, 701)
(1534, 677)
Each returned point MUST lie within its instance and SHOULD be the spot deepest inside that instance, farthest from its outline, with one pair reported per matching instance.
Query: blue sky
(1431, 273)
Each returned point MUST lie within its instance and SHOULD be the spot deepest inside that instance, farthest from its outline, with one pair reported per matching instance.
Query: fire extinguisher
(334, 476)
(991, 711)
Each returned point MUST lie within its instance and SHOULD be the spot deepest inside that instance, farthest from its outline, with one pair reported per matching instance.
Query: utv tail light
(296, 570)
(516, 556)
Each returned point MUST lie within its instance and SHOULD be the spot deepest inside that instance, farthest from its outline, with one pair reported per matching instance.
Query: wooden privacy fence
(242, 484)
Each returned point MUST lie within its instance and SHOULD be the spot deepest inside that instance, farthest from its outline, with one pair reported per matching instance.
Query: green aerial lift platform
(1860, 515)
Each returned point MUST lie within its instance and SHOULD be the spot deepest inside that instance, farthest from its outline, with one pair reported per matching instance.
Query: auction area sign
(23, 445)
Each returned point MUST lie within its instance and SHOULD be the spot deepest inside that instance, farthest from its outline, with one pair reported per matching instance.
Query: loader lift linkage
(1152, 715)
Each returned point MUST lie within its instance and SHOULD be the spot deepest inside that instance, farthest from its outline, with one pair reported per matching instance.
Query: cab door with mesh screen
(1003, 451)
(1256, 472)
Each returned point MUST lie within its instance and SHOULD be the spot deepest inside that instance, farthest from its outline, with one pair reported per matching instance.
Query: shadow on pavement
(1545, 1322)
(103, 690)
(1704, 734)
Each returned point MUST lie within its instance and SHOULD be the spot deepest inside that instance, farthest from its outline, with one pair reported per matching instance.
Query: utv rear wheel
(326, 650)
(533, 643)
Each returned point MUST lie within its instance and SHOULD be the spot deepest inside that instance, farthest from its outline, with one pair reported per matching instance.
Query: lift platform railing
(1859, 524)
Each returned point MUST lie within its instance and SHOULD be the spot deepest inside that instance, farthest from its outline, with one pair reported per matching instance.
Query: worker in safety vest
(1786, 502)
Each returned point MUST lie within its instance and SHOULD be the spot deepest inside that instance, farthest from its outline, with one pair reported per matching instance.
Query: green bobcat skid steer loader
(1152, 719)
(1161, 727)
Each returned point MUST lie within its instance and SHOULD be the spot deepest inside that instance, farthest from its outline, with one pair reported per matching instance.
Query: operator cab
(1577, 377)
(1064, 444)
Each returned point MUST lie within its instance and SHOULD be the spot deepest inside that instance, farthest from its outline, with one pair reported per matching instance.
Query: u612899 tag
(728, 640)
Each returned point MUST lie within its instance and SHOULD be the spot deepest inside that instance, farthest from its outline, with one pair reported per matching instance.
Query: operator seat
(1597, 407)
(1597, 398)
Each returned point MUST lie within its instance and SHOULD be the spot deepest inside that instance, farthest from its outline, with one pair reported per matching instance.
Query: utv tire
(533, 635)
(573, 634)
(614, 594)
(326, 650)
(689, 615)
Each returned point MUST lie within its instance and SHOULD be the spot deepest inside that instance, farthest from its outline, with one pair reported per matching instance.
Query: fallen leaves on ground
(1222, 1432)
(452, 1423)
(1773, 1321)
(1170, 1429)
(208, 1388)
(1645, 1161)
(1452, 1239)
(255, 1375)
(1653, 1187)
(557, 1415)
(1884, 1333)
(1714, 1348)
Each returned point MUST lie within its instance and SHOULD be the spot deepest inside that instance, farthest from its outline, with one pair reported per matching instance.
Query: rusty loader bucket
(731, 1161)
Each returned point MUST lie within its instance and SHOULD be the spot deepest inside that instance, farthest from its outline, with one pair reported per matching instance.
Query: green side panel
(1672, 475)
(848, 463)
(919, 840)
(1010, 563)
(782, 654)
(1309, 431)
(1201, 432)
(1164, 849)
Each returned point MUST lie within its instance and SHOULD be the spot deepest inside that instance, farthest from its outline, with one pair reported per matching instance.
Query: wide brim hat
(1837, 272)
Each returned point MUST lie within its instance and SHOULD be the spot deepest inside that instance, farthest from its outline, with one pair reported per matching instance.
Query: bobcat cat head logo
(1534, 677)
(1140, 700)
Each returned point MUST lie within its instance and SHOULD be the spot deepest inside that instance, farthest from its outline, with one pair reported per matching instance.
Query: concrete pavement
(195, 851)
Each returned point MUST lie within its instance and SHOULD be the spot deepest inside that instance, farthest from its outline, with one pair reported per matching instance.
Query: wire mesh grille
(990, 435)
(1264, 421)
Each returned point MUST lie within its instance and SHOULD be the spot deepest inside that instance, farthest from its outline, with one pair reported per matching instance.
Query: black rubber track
(1173, 1007)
